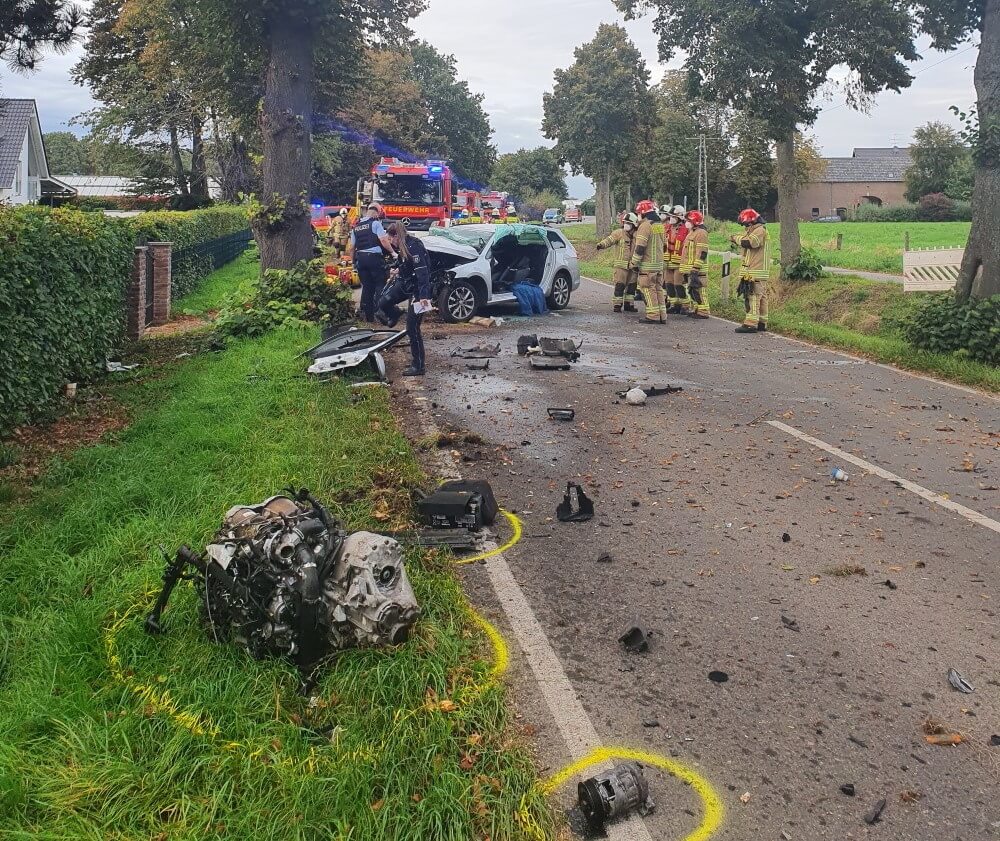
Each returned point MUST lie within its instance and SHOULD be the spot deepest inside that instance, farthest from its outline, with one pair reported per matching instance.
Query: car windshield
(473, 235)
(412, 189)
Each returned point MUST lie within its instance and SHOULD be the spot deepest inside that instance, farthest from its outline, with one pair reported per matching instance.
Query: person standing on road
(675, 232)
(695, 256)
(369, 244)
(624, 239)
(755, 269)
(411, 279)
(647, 260)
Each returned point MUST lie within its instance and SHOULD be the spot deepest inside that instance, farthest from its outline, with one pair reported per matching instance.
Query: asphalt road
(831, 678)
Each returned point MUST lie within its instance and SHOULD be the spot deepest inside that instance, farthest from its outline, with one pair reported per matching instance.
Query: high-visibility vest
(755, 253)
(695, 252)
(647, 253)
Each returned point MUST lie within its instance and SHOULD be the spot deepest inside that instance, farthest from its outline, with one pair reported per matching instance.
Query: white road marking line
(913, 487)
(577, 730)
(928, 379)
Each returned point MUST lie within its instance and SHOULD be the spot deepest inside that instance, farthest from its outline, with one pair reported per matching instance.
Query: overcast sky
(507, 50)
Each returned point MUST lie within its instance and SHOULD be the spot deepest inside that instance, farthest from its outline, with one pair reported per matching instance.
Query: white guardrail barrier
(931, 269)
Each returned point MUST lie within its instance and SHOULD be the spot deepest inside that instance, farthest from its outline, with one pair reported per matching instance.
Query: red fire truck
(417, 194)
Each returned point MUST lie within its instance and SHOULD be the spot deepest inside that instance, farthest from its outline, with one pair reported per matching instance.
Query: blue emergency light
(438, 169)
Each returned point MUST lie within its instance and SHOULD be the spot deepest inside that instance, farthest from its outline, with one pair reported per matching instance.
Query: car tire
(458, 301)
(562, 290)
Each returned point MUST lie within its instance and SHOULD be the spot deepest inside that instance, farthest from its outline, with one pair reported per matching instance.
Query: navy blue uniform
(413, 281)
(369, 261)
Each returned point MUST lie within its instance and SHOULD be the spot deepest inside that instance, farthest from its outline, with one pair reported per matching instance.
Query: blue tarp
(530, 298)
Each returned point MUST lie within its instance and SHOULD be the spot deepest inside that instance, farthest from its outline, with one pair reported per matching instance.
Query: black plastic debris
(605, 558)
(477, 352)
(786, 537)
(560, 347)
(718, 677)
(635, 639)
(791, 624)
(995, 741)
(562, 414)
(875, 813)
(525, 343)
(460, 540)
(482, 365)
(890, 584)
(650, 722)
(464, 503)
(848, 789)
(655, 390)
(959, 683)
(549, 363)
(613, 794)
(584, 510)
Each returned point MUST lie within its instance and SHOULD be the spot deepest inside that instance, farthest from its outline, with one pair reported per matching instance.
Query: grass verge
(220, 284)
(111, 734)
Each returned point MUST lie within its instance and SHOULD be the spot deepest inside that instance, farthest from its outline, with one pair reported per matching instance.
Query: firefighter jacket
(676, 235)
(339, 229)
(647, 253)
(695, 251)
(755, 253)
(624, 241)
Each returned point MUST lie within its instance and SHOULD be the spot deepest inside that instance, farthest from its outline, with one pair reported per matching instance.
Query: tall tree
(456, 114)
(599, 109)
(65, 153)
(528, 172)
(28, 26)
(936, 150)
(949, 22)
(770, 59)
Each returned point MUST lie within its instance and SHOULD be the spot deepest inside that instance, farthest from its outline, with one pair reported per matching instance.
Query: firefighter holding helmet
(623, 239)
(647, 260)
(693, 260)
(755, 258)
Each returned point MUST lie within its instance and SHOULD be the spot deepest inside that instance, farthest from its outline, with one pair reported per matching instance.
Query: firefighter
(369, 244)
(339, 231)
(623, 238)
(647, 260)
(694, 257)
(755, 258)
(675, 232)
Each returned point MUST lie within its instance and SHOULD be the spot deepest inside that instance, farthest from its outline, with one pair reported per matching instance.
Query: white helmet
(630, 219)
(678, 211)
(343, 211)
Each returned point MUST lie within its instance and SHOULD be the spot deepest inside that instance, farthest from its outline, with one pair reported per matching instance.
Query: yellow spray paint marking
(518, 528)
(501, 654)
(712, 819)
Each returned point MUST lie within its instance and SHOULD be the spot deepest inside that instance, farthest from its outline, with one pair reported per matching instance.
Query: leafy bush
(283, 297)
(809, 266)
(970, 329)
(961, 212)
(936, 207)
(63, 278)
(185, 229)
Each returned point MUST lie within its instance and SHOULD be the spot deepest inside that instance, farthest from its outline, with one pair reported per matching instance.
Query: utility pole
(703, 140)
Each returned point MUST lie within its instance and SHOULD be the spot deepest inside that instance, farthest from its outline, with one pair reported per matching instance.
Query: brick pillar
(135, 298)
(161, 281)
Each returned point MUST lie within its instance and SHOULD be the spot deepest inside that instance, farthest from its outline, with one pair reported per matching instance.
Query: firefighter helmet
(630, 219)
(678, 211)
(749, 216)
(644, 207)
(695, 217)
(665, 211)
(343, 211)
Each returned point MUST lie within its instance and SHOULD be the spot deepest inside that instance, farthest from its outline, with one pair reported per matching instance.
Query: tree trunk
(180, 175)
(788, 200)
(629, 204)
(980, 273)
(281, 224)
(603, 209)
(199, 175)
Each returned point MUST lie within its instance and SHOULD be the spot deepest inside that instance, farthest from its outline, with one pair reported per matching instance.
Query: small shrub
(809, 266)
(936, 207)
(943, 325)
(286, 297)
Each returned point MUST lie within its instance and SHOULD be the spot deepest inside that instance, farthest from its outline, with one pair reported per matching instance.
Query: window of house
(815, 213)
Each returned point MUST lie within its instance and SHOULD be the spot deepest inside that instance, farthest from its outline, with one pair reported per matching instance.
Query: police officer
(369, 244)
(411, 279)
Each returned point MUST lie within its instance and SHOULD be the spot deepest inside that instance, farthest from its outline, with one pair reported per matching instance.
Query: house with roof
(24, 171)
(869, 176)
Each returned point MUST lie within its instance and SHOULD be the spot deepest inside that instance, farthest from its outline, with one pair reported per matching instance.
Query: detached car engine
(281, 578)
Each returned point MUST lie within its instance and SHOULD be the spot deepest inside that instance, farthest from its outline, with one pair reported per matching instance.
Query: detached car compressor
(282, 578)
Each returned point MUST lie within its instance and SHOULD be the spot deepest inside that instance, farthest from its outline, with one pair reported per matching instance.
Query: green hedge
(970, 329)
(961, 211)
(185, 229)
(63, 278)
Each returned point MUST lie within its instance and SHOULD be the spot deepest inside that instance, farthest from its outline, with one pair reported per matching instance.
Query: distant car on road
(573, 214)
(473, 266)
(552, 216)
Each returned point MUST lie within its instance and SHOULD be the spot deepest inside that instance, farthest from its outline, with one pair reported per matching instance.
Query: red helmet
(748, 216)
(644, 207)
(696, 217)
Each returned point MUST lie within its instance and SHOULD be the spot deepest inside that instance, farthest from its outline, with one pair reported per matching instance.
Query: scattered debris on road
(786, 537)
(790, 623)
(995, 741)
(458, 504)
(635, 639)
(614, 793)
(848, 789)
(484, 365)
(838, 474)
(584, 510)
(892, 585)
(561, 414)
(635, 397)
(552, 354)
(459, 540)
(958, 682)
(718, 677)
(605, 558)
(352, 348)
(745, 798)
(875, 813)
(526, 343)
(477, 352)
(910, 796)
(651, 390)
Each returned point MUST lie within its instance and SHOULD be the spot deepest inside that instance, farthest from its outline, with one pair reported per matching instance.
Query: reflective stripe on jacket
(647, 254)
(623, 253)
(695, 252)
(676, 234)
(755, 253)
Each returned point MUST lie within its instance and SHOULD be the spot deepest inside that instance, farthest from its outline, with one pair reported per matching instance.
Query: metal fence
(209, 256)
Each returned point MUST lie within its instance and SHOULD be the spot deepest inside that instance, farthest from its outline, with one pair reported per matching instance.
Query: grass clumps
(846, 570)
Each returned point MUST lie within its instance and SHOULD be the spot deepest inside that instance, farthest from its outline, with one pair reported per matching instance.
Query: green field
(111, 734)
(867, 246)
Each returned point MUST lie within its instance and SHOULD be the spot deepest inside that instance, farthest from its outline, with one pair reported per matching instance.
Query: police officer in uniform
(369, 245)
(411, 280)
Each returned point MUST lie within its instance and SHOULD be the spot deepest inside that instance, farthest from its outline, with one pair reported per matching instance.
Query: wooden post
(906, 241)
(840, 242)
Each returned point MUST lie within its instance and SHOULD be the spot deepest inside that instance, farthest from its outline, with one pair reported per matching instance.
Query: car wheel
(561, 289)
(458, 301)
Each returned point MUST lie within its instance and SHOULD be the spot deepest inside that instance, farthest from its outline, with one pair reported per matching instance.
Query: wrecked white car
(474, 266)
